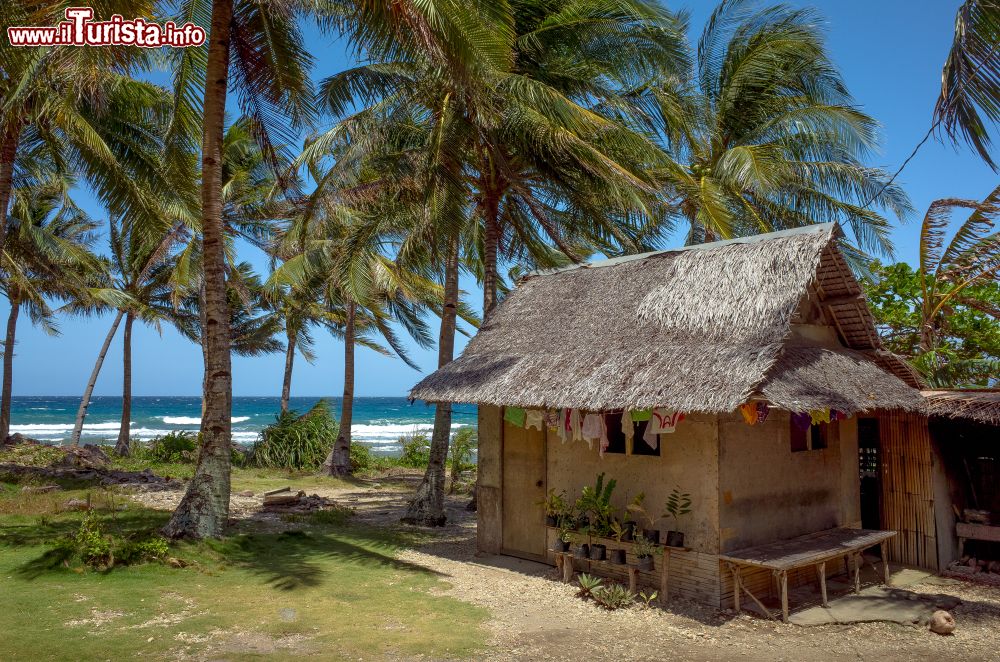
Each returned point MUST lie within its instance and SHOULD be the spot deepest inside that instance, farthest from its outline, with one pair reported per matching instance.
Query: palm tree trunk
(338, 462)
(427, 506)
(286, 384)
(124, 431)
(8, 368)
(491, 241)
(8, 153)
(81, 412)
(204, 510)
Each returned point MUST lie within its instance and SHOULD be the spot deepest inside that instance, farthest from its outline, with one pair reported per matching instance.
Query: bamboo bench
(814, 549)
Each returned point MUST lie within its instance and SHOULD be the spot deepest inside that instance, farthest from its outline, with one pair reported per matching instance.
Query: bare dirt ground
(536, 617)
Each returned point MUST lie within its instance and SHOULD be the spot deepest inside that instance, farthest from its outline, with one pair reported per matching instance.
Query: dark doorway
(870, 468)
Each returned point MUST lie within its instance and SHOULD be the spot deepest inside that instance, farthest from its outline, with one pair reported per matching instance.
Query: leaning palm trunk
(338, 462)
(286, 384)
(491, 242)
(81, 412)
(8, 368)
(427, 506)
(122, 445)
(204, 510)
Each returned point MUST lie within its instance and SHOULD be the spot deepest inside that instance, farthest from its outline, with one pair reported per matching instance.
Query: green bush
(295, 442)
(463, 442)
(416, 450)
(179, 447)
(92, 546)
(364, 461)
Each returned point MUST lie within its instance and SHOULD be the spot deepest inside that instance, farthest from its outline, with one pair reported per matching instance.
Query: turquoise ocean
(378, 422)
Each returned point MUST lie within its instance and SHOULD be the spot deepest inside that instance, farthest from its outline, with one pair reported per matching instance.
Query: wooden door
(523, 529)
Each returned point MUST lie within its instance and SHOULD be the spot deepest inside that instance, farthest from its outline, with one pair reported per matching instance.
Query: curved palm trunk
(204, 510)
(81, 412)
(122, 445)
(491, 242)
(8, 153)
(338, 462)
(286, 384)
(427, 506)
(8, 368)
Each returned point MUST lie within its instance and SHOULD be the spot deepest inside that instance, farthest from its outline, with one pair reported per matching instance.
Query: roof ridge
(817, 228)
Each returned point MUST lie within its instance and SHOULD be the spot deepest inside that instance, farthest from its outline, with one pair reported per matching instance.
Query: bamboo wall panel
(907, 489)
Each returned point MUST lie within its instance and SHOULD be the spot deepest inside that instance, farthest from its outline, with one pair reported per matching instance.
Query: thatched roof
(979, 405)
(703, 328)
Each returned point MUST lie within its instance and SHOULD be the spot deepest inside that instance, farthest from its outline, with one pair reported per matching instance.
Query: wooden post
(633, 578)
(885, 562)
(567, 567)
(821, 570)
(664, 575)
(855, 560)
(783, 582)
(735, 569)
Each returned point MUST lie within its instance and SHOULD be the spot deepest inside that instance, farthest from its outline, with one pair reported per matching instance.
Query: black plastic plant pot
(598, 552)
(675, 539)
(582, 521)
(581, 551)
(618, 556)
(629, 535)
(562, 545)
(652, 535)
(550, 520)
(646, 563)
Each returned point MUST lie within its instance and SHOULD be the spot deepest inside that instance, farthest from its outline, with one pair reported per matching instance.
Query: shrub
(416, 450)
(92, 546)
(588, 584)
(295, 442)
(177, 447)
(363, 461)
(614, 596)
(463, 443)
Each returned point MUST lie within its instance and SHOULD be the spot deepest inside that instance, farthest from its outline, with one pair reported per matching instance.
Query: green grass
(329, 589)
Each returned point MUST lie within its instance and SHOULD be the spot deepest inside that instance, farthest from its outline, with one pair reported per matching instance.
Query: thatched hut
(776, 319)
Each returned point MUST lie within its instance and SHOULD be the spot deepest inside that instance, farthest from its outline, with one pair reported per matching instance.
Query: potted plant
(618, 531)
(637, 508)
(582, 549)
(598, 551)
(555, 507)
(678, 505)
(562, 542)
(644, 549)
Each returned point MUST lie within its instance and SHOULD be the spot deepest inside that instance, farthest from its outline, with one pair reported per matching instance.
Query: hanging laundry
(837, 415)
(575, 426)
(641, 415)
(605, 442)
(749, 411)
(818, 416)
(762, 411)
(552, 419)
(651, 438)
(534, 418)
(628, 427)
(664, 421)
(514, 416)
(801, 421)
(592, 426)
(563, 427)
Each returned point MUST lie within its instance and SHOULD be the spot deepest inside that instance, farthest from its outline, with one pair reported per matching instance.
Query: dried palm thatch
(979, 405)
(703, 328)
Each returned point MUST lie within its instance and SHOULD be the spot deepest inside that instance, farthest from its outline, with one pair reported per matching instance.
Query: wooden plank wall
(908, 489)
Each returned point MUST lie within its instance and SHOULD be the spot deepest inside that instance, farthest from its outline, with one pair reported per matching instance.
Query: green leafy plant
(613, 596)
(618, 530)
(364, 461)
(93, 546)
(588, 584)
(463, 443)
(643, 547)
(416, 450)
(295, 442)
(637, 508)
(180, 446)
(596, 503)
(647, 598)
(565, 535)
(678, 505)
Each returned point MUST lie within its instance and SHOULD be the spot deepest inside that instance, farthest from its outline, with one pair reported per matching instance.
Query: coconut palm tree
(45, 256)
(969, 102)
(769, 134)
(949, 273)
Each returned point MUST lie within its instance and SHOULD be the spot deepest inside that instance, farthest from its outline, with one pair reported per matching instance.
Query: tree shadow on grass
(293, 559)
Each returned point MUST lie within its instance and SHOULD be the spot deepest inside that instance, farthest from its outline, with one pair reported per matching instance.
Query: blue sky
(889, 51)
